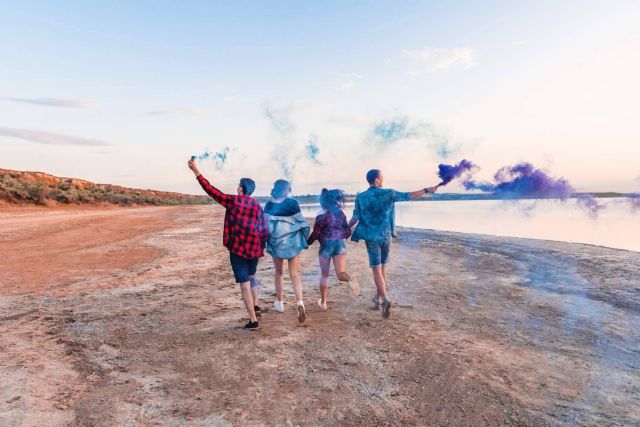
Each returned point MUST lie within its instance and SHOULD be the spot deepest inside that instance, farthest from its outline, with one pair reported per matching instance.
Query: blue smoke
(388, 132)
(312, 149)
(219, 157)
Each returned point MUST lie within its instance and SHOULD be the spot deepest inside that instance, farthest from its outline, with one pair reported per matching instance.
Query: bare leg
(248, 300)
(381, 283)
(325, 265)
(340, 263)
(277, 264)
(294, 275)
(254, 292)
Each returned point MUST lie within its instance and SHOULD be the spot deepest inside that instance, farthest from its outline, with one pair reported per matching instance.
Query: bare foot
(355, 286)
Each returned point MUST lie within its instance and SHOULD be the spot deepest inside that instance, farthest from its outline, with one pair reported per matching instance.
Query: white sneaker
(302, 315)
(279, 306)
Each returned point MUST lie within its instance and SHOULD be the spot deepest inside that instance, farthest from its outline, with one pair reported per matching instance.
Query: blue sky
(126, 92)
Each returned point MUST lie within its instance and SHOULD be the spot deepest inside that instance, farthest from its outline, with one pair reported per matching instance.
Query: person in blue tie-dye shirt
(374, 215)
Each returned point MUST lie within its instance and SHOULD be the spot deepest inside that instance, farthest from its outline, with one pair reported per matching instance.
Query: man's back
(374, 211)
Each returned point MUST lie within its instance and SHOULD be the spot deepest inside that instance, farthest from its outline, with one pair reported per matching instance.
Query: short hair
(372, 175)
(331, 200)
(248, 186)
(281, 188)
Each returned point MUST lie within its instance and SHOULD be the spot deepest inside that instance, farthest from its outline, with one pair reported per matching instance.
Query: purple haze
(449, 172)
(523, 181)
(526, 181)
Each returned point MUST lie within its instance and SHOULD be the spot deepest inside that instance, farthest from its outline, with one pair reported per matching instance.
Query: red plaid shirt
(245, 225)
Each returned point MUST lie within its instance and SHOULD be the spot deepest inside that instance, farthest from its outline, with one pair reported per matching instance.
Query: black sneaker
(251, 325)
(257, 310)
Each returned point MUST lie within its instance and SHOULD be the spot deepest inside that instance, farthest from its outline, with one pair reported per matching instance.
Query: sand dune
(131, 316)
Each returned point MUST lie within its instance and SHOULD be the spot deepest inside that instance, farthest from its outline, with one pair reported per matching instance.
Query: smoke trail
(449, 172)
(219, 157)
(284, 130)
(312, 149)
(526, 181)
(388, 132)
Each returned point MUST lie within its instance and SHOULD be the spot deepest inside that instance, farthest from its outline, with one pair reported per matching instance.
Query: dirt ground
(131, 317)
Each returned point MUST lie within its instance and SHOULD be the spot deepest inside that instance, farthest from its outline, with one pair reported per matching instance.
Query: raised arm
(225, 200)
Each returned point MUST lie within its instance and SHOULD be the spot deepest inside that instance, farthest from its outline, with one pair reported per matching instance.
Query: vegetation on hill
(37, 188)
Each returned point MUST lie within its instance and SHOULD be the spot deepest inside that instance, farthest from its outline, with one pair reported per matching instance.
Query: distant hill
(37, 188)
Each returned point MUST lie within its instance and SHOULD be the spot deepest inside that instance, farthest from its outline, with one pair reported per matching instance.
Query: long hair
(281, 189)
(332, 200)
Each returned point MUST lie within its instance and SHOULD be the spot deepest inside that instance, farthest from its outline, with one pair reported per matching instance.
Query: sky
(126, 92)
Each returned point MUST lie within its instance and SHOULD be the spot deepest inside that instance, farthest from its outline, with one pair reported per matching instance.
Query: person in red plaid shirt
(245, 236)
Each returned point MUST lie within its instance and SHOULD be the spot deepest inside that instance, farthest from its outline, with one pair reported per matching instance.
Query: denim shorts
(378, 252)
(243, 267)
(331, 248)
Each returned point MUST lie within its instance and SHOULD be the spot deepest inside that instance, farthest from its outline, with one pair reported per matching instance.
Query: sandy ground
(131, 317)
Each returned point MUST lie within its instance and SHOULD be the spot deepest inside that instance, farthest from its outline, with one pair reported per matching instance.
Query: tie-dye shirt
(374, 211)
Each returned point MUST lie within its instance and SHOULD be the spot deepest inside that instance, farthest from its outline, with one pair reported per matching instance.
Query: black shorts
(242, 267)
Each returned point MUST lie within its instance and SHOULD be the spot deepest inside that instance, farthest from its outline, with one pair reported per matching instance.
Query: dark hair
(331, 200)
(281, 188)
(372, 175)
(248, 186)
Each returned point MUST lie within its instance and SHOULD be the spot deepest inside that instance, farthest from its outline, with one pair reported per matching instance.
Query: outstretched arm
(225, 200)
(422, 193)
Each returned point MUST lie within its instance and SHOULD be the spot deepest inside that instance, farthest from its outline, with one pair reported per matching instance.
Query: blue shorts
(378, 252)
(331, 248)
(243, 267)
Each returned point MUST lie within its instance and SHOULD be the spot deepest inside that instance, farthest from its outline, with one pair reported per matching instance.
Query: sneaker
(385, 308)
(321, 305)
(279, 306)
(355, 286)
(375, 304)
(302, 315)
(251, 325)
(258, 310)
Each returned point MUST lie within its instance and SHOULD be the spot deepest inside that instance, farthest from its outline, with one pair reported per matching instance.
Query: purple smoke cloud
(523, 181)
(449, 172)
(526, 181)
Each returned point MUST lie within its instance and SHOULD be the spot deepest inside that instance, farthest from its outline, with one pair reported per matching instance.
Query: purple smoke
(523, 181)
(449, 172)
(634, 201)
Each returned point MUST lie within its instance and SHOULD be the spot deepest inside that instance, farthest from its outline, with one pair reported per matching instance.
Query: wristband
(426, 190)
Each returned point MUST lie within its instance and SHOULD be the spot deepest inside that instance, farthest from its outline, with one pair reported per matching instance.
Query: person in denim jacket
(288, 233)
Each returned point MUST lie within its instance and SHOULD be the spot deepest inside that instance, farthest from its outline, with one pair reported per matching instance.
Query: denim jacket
(287, 235)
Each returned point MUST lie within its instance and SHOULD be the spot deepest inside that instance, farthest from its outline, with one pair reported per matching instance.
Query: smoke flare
(219, 157)
(447, 173)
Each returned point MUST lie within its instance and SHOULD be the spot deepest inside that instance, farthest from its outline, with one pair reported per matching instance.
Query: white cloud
(56, 102)
(192, 112)
(50, 138)
(356, 75)
(431, 60)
